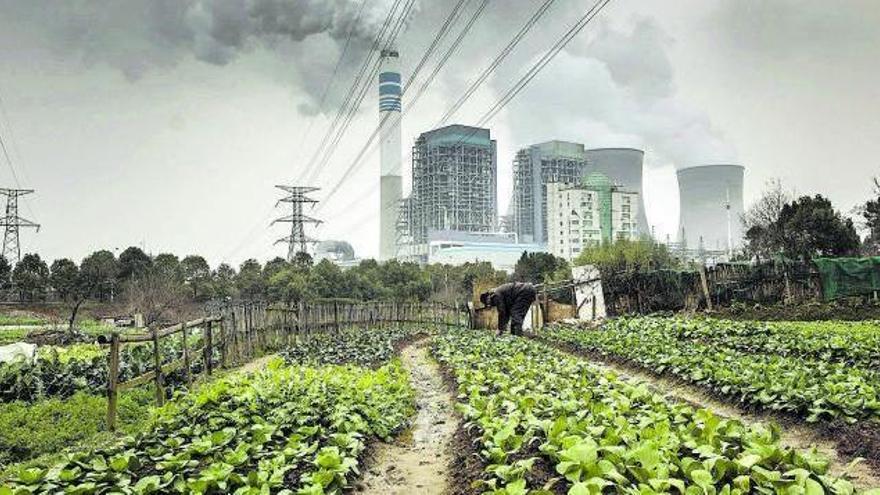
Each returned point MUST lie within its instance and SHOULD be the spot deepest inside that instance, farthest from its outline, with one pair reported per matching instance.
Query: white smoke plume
(616, 87)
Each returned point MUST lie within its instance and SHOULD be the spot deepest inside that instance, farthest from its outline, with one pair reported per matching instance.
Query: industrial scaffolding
(454, 188)
(529, 192)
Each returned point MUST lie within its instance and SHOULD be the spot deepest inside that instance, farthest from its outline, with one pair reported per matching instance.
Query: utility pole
(729, 227)
(12, 222)
(297, 240)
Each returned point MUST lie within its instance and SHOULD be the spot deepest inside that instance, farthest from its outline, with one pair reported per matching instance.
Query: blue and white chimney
(390, 186)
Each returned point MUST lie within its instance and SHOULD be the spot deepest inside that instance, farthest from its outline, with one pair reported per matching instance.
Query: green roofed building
(588, 213)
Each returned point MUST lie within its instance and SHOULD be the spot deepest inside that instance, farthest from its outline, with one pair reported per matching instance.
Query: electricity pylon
(297, 240)
(12, 222)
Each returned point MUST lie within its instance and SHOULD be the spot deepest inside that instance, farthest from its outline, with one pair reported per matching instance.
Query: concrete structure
(711, 204)
(454, 184)
(457, 248)
(588, 214)
(334, 251)
(624, 167)
(533, 168)
(390, 185)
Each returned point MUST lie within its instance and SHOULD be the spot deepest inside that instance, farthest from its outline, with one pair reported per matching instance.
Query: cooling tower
(706, 192)
(390, 185)
(624, 167)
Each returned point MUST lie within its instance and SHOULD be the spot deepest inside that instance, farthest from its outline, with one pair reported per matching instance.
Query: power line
(496, 62)
(332, 78)
(536, 68)
(355, 85)
(353, 108)
(372, 139)
(348, 107)
(544, 60)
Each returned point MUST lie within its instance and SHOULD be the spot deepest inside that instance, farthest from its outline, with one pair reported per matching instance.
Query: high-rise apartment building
(589, 213)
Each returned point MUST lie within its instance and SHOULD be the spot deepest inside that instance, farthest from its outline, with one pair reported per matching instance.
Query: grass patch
(12, 320)
(40, 432)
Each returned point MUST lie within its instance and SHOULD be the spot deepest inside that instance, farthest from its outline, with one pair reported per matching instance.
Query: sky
(166, 124)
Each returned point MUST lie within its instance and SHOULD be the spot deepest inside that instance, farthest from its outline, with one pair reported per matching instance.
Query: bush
(31, 430)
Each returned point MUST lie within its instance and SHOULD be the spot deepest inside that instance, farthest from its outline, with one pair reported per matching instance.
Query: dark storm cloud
(137, 35)
(612, 85)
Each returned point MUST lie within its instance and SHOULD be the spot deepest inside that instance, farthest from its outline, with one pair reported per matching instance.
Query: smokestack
(711, 198)
(390, 185)
(624, 167)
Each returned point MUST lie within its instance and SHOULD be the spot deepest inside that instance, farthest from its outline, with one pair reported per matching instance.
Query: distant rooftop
(561, 148)
(455, 133)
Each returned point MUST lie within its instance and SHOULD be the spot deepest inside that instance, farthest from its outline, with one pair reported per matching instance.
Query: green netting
(843, 277)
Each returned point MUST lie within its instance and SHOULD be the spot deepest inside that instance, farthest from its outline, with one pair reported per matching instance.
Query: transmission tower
(297, 240)
(12, 222)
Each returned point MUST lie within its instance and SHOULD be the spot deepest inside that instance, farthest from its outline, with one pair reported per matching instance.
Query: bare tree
(760, 220)
(157, 295)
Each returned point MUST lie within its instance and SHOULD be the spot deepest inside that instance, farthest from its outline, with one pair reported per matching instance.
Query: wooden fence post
(705, 286)
(224, 321)
(233, 328)
(113, 379)
(187, 372)
(157, 363)
(249, 329)
(209, 348)
(336, 316)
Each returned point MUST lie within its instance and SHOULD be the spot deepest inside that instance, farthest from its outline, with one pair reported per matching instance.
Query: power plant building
(623, 166)
(454, 184)
(533, 168)
(595, 211)
(711, 202)
(497, 248)
(391, 184)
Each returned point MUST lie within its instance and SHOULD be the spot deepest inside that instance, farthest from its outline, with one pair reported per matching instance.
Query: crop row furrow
(533, 406)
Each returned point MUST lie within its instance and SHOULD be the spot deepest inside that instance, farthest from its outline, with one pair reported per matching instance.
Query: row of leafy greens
(59, 372)
(359, 346)
(287, 429)
(854, 343)
(810, 388)
(534, 406)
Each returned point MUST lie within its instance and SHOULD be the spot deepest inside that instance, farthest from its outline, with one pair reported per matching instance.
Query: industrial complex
(566, 196)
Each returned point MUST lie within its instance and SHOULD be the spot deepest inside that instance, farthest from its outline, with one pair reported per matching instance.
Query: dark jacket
(513, 300)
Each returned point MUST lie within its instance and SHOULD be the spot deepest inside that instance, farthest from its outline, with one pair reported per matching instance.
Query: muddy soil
(795, 434)
(418, 461)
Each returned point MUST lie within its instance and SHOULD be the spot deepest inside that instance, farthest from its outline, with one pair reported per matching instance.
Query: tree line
(152, 284)
(806, 227)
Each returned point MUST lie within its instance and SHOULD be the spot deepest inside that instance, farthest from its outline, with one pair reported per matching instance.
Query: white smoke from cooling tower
(390, 186)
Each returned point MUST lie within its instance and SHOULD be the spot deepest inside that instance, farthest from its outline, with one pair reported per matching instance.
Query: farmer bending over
(513, 301)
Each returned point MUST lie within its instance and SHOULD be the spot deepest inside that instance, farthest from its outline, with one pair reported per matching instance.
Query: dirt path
(794, 435)
(418, 460)
(255, 365)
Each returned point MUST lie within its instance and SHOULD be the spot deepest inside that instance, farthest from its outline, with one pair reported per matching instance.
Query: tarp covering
(843, 277)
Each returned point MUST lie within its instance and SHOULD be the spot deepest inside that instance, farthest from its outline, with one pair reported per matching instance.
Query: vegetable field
(365, 405)
(546, 422)
(816, 371)
(291, 427)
